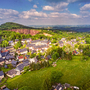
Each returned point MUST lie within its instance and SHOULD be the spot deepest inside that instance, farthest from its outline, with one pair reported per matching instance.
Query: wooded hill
(11, 25)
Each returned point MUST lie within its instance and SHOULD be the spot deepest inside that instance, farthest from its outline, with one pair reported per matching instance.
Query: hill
(11, 25)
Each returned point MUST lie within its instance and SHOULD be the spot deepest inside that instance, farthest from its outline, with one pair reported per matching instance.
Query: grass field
(75, 72)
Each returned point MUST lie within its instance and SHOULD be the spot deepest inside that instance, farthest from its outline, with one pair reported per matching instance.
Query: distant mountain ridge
(12, 25)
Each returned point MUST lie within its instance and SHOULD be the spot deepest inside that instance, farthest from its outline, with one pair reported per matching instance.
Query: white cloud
(64, 15)
(35, 6)
(85, 7)
(8, 12)
(59, 7)
(48, 8)
(32, 13)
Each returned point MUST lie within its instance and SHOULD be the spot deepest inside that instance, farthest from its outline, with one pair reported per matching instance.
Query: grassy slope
(75, 72)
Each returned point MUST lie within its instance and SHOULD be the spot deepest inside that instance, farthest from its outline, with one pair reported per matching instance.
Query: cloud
(58, 7)
(32, 13)
(48, 8)
(8, 14)
(35, 6)
(64, 15)
(85, 7)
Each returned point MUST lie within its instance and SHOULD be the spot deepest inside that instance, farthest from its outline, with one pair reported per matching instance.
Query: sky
(45, 12)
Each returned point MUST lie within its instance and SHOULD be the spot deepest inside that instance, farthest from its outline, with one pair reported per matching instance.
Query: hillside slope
(11, 25)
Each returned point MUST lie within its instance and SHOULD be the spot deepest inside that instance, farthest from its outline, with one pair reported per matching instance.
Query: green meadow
(75, 72)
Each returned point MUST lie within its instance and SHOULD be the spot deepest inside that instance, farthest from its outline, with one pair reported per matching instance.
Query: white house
(22, 51)
(33, 60)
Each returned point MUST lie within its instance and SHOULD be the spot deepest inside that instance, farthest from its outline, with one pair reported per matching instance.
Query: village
(19, 58)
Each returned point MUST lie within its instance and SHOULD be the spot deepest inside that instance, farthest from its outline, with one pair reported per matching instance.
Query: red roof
(20, 57)
(4, 51)
(25, 57)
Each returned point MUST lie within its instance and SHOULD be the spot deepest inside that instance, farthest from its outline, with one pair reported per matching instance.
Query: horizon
(45, 12)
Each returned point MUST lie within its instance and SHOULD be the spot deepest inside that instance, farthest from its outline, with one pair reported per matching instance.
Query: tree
(55, 77)
(5, 43)
(18, 45)
(55, 55)
(46, 84)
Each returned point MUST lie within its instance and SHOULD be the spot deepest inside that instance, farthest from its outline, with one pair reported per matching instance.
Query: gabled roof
(60, 42)
(20, 57)
(23, 50)
(16, 40)
(30, 45)
(9, 47)
(20, 67)
(25, 62)
(10, 56)
(4, 54)
(14, 62)
(49, 56)
(59, 87)
(35, 41)
(1, 59)
(11, 72)
(1, 73)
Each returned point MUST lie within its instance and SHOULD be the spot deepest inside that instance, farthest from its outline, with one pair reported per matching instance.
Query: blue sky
(45, 12)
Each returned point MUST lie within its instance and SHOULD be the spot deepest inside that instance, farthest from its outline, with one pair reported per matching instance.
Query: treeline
(36, 66)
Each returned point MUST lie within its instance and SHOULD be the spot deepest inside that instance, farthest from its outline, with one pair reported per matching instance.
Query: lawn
(75, 72)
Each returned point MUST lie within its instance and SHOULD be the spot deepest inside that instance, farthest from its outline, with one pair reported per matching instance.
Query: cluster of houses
(72, 43)
(65, 86)
(19, 61)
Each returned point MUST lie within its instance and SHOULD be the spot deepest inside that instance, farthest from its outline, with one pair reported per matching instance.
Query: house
(12, 53)
(9, 58)
(73, 40)
(9, 47)
(16, 40)
(30, 46)
(48, 57)
(4, 88)
(4, 54)
(33, 51)
(27, 56)
(20, 58)
(12, 73)
(40, 47)
(36, 42)
(22, 51)
(14, 63)
(59, 87)
(11, 43)
(66, 85)
(19, 68)
(26, 40)
(61, 44)
(33, 60)
(63, 39)
(41, 42)
(1, 75)
(26, 62)
(1, 61)
(13, 50)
